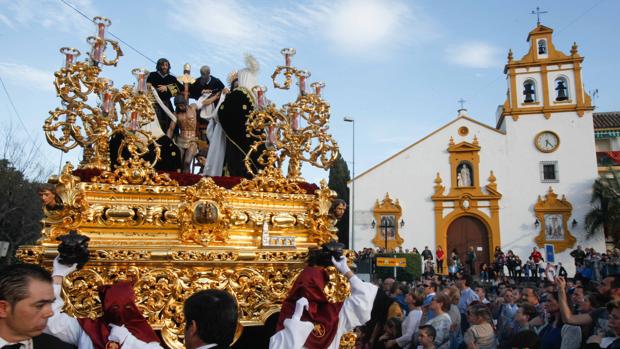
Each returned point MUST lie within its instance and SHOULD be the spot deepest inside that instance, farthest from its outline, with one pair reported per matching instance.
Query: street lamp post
(351, 236)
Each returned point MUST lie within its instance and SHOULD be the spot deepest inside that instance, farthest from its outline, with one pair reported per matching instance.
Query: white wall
(409, 177)
(577, 172)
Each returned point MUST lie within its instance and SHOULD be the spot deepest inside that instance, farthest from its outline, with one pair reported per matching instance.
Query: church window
(561, 89)
(529, 91)
(463, 131)
(549, 172)
(542, 47)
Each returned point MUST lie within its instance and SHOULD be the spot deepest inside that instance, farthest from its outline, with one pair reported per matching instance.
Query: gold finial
(509, 55)
(451, 141)
(492, 178)
(475, 142)
(438, 179)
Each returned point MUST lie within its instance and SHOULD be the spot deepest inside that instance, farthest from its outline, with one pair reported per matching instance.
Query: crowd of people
(589, 264)
(504, 304)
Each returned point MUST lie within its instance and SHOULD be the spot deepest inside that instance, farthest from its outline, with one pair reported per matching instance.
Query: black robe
(174, 87)
(233, 114)
(170, 155)
(46, 341)
(195, 89)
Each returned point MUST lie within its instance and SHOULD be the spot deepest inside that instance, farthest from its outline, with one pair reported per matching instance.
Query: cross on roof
(538, 12)
(462, 103)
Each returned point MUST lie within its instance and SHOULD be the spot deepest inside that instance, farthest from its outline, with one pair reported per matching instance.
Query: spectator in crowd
(467, 297)
(470, 260)
(519, 327)
(480, 335)
(411, 323)
(427, 254)
(555, 334)
(440, 256)
(391, 331)
(441, 321)
(427, 337)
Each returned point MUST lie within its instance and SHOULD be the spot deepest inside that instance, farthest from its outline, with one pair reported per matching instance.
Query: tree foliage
(338, 178)
(605, 212)
(20, 208)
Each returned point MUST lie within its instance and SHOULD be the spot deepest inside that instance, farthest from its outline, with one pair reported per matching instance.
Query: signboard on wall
(391, 262)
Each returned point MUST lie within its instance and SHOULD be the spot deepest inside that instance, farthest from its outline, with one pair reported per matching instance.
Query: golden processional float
(249, 238)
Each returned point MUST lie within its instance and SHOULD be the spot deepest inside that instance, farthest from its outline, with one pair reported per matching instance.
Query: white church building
(522, 183)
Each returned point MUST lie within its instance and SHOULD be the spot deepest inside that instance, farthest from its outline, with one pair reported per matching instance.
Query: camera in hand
(323, 256)
(73, 248)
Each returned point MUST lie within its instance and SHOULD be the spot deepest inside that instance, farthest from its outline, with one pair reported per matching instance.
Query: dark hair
(529, 310)
(14, 281)
(215, 313)
(468, 280)
(335, 204)
(616, 282)
(395, 323)
(430, 331)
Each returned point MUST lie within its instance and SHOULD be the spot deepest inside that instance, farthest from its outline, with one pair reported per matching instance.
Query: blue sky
(396, 67)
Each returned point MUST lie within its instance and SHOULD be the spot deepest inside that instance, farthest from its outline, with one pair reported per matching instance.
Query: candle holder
(141, 74)
(288, 54)
(318, 87)
(99, 43)
(302, 75)
(70, 55)
(260, 95)
(294, 133)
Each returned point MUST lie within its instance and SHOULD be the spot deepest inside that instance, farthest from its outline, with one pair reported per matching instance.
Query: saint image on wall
(554, 228)
(205, 213)
(388, 226)
(464, 175)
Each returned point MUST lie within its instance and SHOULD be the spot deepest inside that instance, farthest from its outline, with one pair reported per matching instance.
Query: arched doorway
(468, 231)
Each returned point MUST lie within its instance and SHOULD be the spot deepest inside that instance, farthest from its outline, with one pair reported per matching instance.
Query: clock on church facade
(547, 141)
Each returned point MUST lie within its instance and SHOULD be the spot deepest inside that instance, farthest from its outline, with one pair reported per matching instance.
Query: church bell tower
(545, 80)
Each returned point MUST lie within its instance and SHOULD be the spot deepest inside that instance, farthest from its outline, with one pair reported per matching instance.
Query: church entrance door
(468, 231)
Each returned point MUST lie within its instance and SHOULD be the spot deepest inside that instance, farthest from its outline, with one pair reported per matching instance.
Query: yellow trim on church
(466, 200)
(553, 57)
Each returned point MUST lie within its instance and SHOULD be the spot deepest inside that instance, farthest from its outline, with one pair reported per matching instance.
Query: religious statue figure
(465, 174)
(167, 86)
(205, 213)
(459, 180)
(233, 114)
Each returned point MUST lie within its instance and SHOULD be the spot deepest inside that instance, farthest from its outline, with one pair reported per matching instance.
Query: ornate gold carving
(30, 254)
(321, 226)
(202, 217)
(160, 292)
(347, 341)
(337, 288)
(553, 215)
(387, 215)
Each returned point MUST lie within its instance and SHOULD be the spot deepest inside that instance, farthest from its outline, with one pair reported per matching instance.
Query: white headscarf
(247, 76)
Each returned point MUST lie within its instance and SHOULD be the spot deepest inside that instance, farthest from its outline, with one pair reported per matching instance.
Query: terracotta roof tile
(609, 119)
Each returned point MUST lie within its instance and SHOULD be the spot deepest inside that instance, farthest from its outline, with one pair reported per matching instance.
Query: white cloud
(27, 76)
(50, 14)
(368, 27)
(475, 54)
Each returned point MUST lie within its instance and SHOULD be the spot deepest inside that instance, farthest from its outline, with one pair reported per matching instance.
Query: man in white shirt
(210, 320)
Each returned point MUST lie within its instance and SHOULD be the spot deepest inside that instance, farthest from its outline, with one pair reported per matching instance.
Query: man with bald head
(205, 84)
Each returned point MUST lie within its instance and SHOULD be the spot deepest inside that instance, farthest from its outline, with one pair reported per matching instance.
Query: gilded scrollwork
(160, 292)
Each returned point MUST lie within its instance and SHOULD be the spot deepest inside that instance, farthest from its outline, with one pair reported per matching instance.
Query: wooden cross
(538, 12)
